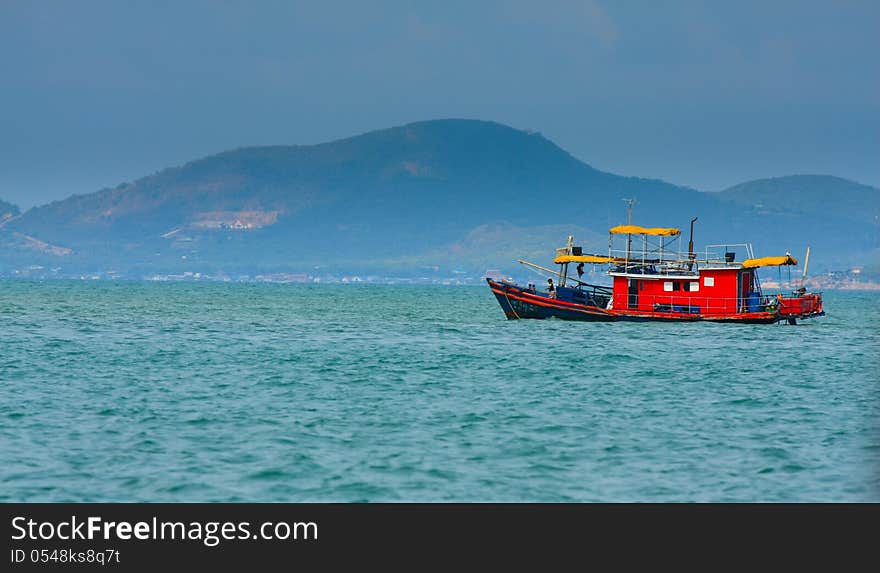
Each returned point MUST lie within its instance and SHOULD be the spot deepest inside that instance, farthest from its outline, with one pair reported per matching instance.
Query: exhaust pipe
(691, 254)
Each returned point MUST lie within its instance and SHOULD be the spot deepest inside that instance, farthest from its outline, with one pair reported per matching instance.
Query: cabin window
(667, 286)
(676, 285)
(695, 286)
(709, 281)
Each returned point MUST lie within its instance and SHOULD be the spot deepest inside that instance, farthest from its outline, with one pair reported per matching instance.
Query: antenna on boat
(629, 210)
(691, 254)
(629, 221)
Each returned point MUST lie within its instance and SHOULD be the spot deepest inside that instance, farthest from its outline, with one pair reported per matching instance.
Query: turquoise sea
(138, 391)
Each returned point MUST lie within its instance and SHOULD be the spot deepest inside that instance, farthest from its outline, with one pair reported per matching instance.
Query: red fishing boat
(651, 281)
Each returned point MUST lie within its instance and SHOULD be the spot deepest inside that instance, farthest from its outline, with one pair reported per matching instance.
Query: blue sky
(706, 94)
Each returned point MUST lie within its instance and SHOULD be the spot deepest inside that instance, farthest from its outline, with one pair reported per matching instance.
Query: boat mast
(563, 268)
(691, 254)
(806, 264)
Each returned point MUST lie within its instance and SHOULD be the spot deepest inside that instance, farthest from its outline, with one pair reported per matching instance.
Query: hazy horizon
(694, 93)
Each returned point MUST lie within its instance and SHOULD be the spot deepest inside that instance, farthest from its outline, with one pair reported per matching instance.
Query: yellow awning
(769, 262)
(582, 259)
(636, 230)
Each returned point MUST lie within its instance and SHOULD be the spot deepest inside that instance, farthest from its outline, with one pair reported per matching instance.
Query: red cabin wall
(721, 298)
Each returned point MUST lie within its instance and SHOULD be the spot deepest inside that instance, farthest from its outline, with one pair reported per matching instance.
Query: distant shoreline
(862, 287)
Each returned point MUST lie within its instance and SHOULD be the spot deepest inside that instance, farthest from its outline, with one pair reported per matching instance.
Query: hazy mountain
(824, 207)
(454, 193)
(7, 210)
(809, 194)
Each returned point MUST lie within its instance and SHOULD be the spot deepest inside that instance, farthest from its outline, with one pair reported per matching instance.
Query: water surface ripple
(137, 391)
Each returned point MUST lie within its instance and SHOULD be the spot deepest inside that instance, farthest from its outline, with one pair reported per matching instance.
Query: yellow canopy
(769, 262)
(636, 230)
(582, 259)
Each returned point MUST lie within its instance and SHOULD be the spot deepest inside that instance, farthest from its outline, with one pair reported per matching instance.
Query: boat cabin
(650, 278)
(706, 291)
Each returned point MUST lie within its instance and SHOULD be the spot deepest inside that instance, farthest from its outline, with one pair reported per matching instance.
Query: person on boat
(580, 269)
(551, 290)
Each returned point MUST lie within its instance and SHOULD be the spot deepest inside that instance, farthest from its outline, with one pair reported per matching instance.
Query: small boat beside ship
(654, 282)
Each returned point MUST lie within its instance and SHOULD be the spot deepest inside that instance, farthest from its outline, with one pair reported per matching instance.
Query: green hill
(458, 194)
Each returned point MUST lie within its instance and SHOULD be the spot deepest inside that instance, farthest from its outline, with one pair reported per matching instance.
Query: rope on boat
(513, 310)
(542, 272)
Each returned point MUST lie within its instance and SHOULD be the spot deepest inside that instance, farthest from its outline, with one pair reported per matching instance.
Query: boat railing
(660, 261)
(726, 253)
(644, 257)
(595, 289)
(667, 264)
(698, 305)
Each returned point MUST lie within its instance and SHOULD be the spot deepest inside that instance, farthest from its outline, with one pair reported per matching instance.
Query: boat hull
(521, 303)
(518, 302)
